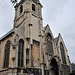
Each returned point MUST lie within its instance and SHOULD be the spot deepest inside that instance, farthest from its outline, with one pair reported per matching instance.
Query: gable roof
(44, 28)
(7, 34)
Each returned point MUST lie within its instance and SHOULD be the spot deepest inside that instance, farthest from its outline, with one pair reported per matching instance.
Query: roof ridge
(8, 33)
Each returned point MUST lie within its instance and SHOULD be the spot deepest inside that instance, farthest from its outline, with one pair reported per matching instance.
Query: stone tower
(28, 26)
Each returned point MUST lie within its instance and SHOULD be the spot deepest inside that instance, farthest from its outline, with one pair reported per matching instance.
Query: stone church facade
(31, 49)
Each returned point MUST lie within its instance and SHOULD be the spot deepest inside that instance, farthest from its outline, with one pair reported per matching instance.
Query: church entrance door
(54, 67)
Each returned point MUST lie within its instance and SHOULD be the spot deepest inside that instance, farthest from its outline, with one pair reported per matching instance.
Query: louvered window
(21, 8)
(33, 7)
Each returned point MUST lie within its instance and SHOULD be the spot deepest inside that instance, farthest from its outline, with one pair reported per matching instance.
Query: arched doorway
(54, 67)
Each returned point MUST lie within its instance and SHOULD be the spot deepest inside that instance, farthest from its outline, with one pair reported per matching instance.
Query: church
(31, 49)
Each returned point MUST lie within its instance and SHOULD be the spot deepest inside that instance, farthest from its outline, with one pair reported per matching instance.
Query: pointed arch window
(20, 53)
(49, 43)
(7, 55)
(62, 53)
(21, 8)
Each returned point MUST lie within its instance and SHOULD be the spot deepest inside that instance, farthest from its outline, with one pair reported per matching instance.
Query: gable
(60, 39)
(47, 30)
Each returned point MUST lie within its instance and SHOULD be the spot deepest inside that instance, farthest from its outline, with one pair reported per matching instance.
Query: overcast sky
(59, 14)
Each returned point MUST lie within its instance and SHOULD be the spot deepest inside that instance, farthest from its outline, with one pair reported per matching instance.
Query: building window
(20, 53)
(62, 53)
(21, 8)
(49, 43)
(6, 55)
(27, 57)
(33, 7)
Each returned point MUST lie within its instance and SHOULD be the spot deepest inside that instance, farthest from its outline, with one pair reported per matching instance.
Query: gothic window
(62, 53)
(21, 8)
(6, 55)
(33, 7)
(49, 43)
(20, 53)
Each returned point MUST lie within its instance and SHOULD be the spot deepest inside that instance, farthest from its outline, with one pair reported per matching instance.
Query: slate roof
(44, 28)
(56, 39)
(73, 67)
(7, 34)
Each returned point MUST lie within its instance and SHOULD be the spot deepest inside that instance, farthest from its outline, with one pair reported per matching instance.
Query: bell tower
(28, 26)
(28, 13)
